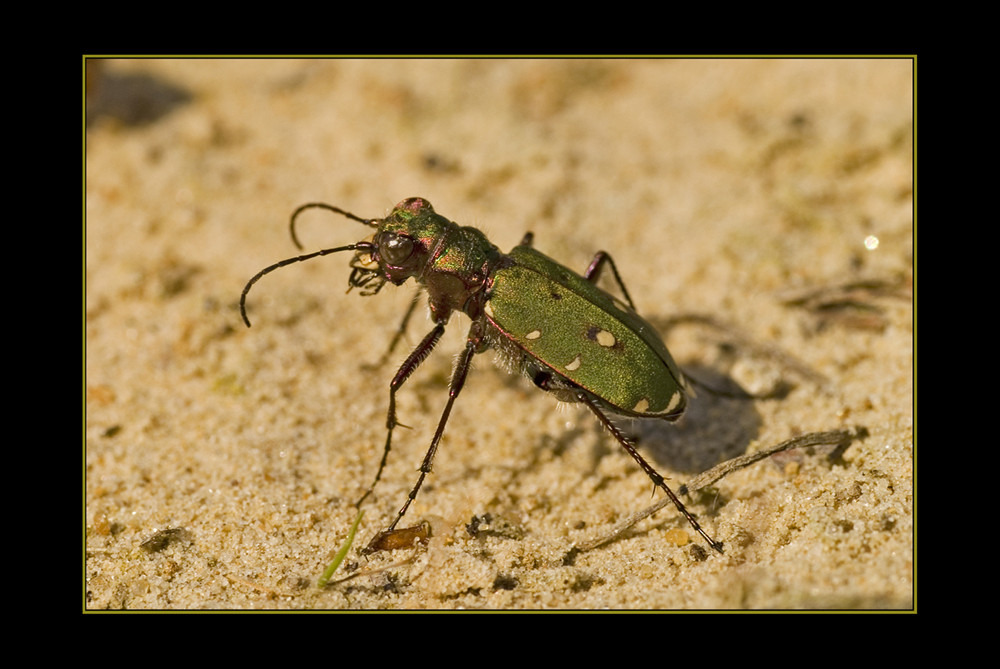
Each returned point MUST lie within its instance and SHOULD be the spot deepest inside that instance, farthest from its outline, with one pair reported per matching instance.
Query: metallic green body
(568, 336)
(580, 332)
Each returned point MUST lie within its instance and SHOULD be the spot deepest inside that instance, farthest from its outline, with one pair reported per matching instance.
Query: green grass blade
(342, 553)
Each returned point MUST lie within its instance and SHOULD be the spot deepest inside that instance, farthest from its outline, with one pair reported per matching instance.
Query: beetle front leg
(399, 333)
(457, 382)
(408, 367)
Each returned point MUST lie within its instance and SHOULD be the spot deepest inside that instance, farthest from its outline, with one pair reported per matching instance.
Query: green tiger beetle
(557, 327)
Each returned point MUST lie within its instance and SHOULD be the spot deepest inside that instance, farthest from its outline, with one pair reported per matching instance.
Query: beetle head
(404, 242)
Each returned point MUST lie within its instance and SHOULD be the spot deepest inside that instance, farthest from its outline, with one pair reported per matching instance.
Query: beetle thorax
(453, 263)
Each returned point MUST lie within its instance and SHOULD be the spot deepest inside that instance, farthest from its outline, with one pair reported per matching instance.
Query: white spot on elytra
(488, 309)
(674, 402)
(534, 334)
(575, 364)
(641, 406)
(605, 338)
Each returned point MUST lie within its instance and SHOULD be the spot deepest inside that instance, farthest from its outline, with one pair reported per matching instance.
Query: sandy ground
(222, 463)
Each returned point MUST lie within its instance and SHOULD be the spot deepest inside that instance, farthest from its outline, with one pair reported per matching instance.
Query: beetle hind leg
(654, 475)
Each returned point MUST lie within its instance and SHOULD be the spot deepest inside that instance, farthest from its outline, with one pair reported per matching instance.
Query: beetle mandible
(557, 327)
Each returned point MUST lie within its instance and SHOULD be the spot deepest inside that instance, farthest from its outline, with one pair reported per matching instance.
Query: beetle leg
(593, 273)
(457, 382)
(399, 334)
(646, 467)
(408, 367)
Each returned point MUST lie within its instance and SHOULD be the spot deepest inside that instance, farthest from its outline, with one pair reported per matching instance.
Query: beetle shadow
(132, 99)
(713, 429)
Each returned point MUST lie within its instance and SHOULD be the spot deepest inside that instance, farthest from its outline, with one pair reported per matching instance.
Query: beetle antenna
(360, 246)
(329, 207)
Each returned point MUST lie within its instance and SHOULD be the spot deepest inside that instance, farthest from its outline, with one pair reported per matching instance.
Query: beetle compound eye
(396, 249)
